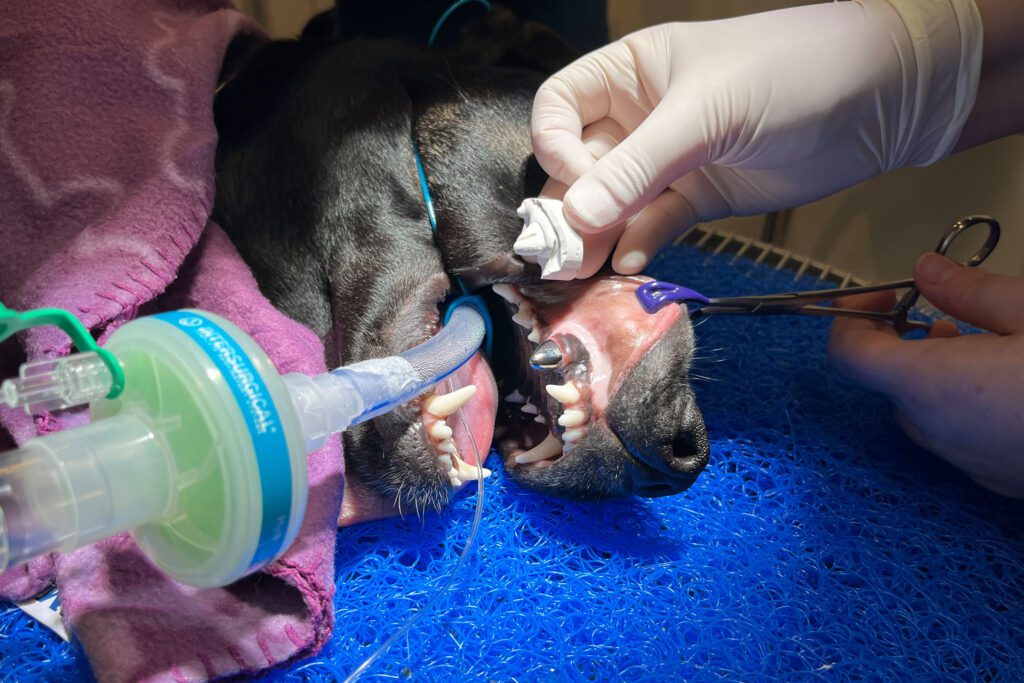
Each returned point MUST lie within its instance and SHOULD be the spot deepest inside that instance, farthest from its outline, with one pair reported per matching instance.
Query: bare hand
(959, 396)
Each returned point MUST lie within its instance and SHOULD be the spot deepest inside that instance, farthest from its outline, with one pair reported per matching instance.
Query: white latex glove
(754, 114)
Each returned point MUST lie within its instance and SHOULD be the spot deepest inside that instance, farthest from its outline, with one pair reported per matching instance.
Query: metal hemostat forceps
(655, 295)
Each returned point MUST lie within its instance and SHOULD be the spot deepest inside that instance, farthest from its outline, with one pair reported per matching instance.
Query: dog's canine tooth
(467, 472)
(572, 418)
(565, 393)
(445, 405)
(440, 430)
(506, 292)
(548, 448)
(547, 356)
(523, 319)
(529, 408)
(515, 397)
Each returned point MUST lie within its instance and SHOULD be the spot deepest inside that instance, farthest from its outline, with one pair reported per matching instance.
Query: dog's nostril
(684, 443)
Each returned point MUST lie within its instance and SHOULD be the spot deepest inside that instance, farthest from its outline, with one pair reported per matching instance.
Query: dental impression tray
(548, 240)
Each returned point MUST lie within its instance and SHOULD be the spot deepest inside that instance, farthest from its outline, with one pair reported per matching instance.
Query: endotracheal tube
(203, 454)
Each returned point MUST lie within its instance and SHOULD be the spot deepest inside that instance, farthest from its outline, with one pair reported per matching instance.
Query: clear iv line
(450, 579)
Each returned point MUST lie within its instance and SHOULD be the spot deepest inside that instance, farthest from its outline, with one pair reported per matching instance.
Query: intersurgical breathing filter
(202, 455)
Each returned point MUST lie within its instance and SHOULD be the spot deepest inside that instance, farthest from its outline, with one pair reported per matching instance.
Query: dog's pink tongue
(479, 412)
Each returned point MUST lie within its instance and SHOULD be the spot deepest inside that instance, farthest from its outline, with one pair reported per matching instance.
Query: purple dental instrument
(655, 295)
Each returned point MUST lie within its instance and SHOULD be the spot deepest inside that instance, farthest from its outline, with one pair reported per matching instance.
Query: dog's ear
(407, 20)
(472, 34)
(500, 38)
(240, 49)
(320, 27)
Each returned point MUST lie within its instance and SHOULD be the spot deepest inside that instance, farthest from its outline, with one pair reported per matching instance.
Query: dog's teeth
(440, 430)
(515, 397)
(533, 336)
(540, 419)
(448, 446)
(568, 448)
(446, 461)
(572, 435)
(566, 393)
(547, 356)
(523, 320)
(506, 292)
(467, 472)
(529, 408)
(572, 418)
(443, 406)
(548, 448)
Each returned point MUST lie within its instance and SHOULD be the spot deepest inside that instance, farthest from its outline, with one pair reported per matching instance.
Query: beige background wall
(875, 230)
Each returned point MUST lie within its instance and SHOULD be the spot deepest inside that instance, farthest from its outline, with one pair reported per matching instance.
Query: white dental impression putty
(548, 240)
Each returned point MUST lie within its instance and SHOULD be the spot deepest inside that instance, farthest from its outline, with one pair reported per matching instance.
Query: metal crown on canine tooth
(547, 237)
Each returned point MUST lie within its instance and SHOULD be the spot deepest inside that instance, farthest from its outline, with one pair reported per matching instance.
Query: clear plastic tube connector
(57, 383)
(336, 400)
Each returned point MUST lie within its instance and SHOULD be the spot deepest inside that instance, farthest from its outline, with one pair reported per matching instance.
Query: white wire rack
(723, 242)
(717, 241)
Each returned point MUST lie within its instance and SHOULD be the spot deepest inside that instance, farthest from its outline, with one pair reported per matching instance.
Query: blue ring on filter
(261, 419)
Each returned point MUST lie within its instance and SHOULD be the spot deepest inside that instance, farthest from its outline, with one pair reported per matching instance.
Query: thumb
(666, 145)
(993, 302)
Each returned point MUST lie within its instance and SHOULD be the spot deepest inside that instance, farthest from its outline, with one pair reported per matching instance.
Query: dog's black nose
(673, 467)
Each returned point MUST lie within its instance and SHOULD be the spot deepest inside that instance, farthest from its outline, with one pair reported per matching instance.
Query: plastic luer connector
(57, 383)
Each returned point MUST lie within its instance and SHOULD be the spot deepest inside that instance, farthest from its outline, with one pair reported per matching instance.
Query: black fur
(317, 186)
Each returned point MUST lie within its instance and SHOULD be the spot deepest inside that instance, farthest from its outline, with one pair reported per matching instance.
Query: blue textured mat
(819, 544)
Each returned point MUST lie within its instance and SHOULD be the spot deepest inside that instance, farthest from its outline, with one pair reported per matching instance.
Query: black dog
(318, 187)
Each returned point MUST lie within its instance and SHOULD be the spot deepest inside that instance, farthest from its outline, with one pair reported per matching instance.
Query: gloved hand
(961, 397)
(756, 113)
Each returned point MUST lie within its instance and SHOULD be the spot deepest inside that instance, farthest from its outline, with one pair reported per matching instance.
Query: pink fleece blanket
(106, 183)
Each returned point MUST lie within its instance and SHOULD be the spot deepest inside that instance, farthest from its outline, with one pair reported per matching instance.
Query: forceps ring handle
(960, 227)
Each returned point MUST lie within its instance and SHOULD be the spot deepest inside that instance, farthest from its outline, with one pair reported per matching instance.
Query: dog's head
(318, 187)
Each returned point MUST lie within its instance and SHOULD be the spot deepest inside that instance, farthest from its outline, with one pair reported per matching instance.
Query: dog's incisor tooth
(533, 336)
(540, 419)
(572, 435)
(566, 393)
(515, 397)
(572, 418)
(439, 430)
(529, 408)
(548, 448)
(443, 406)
